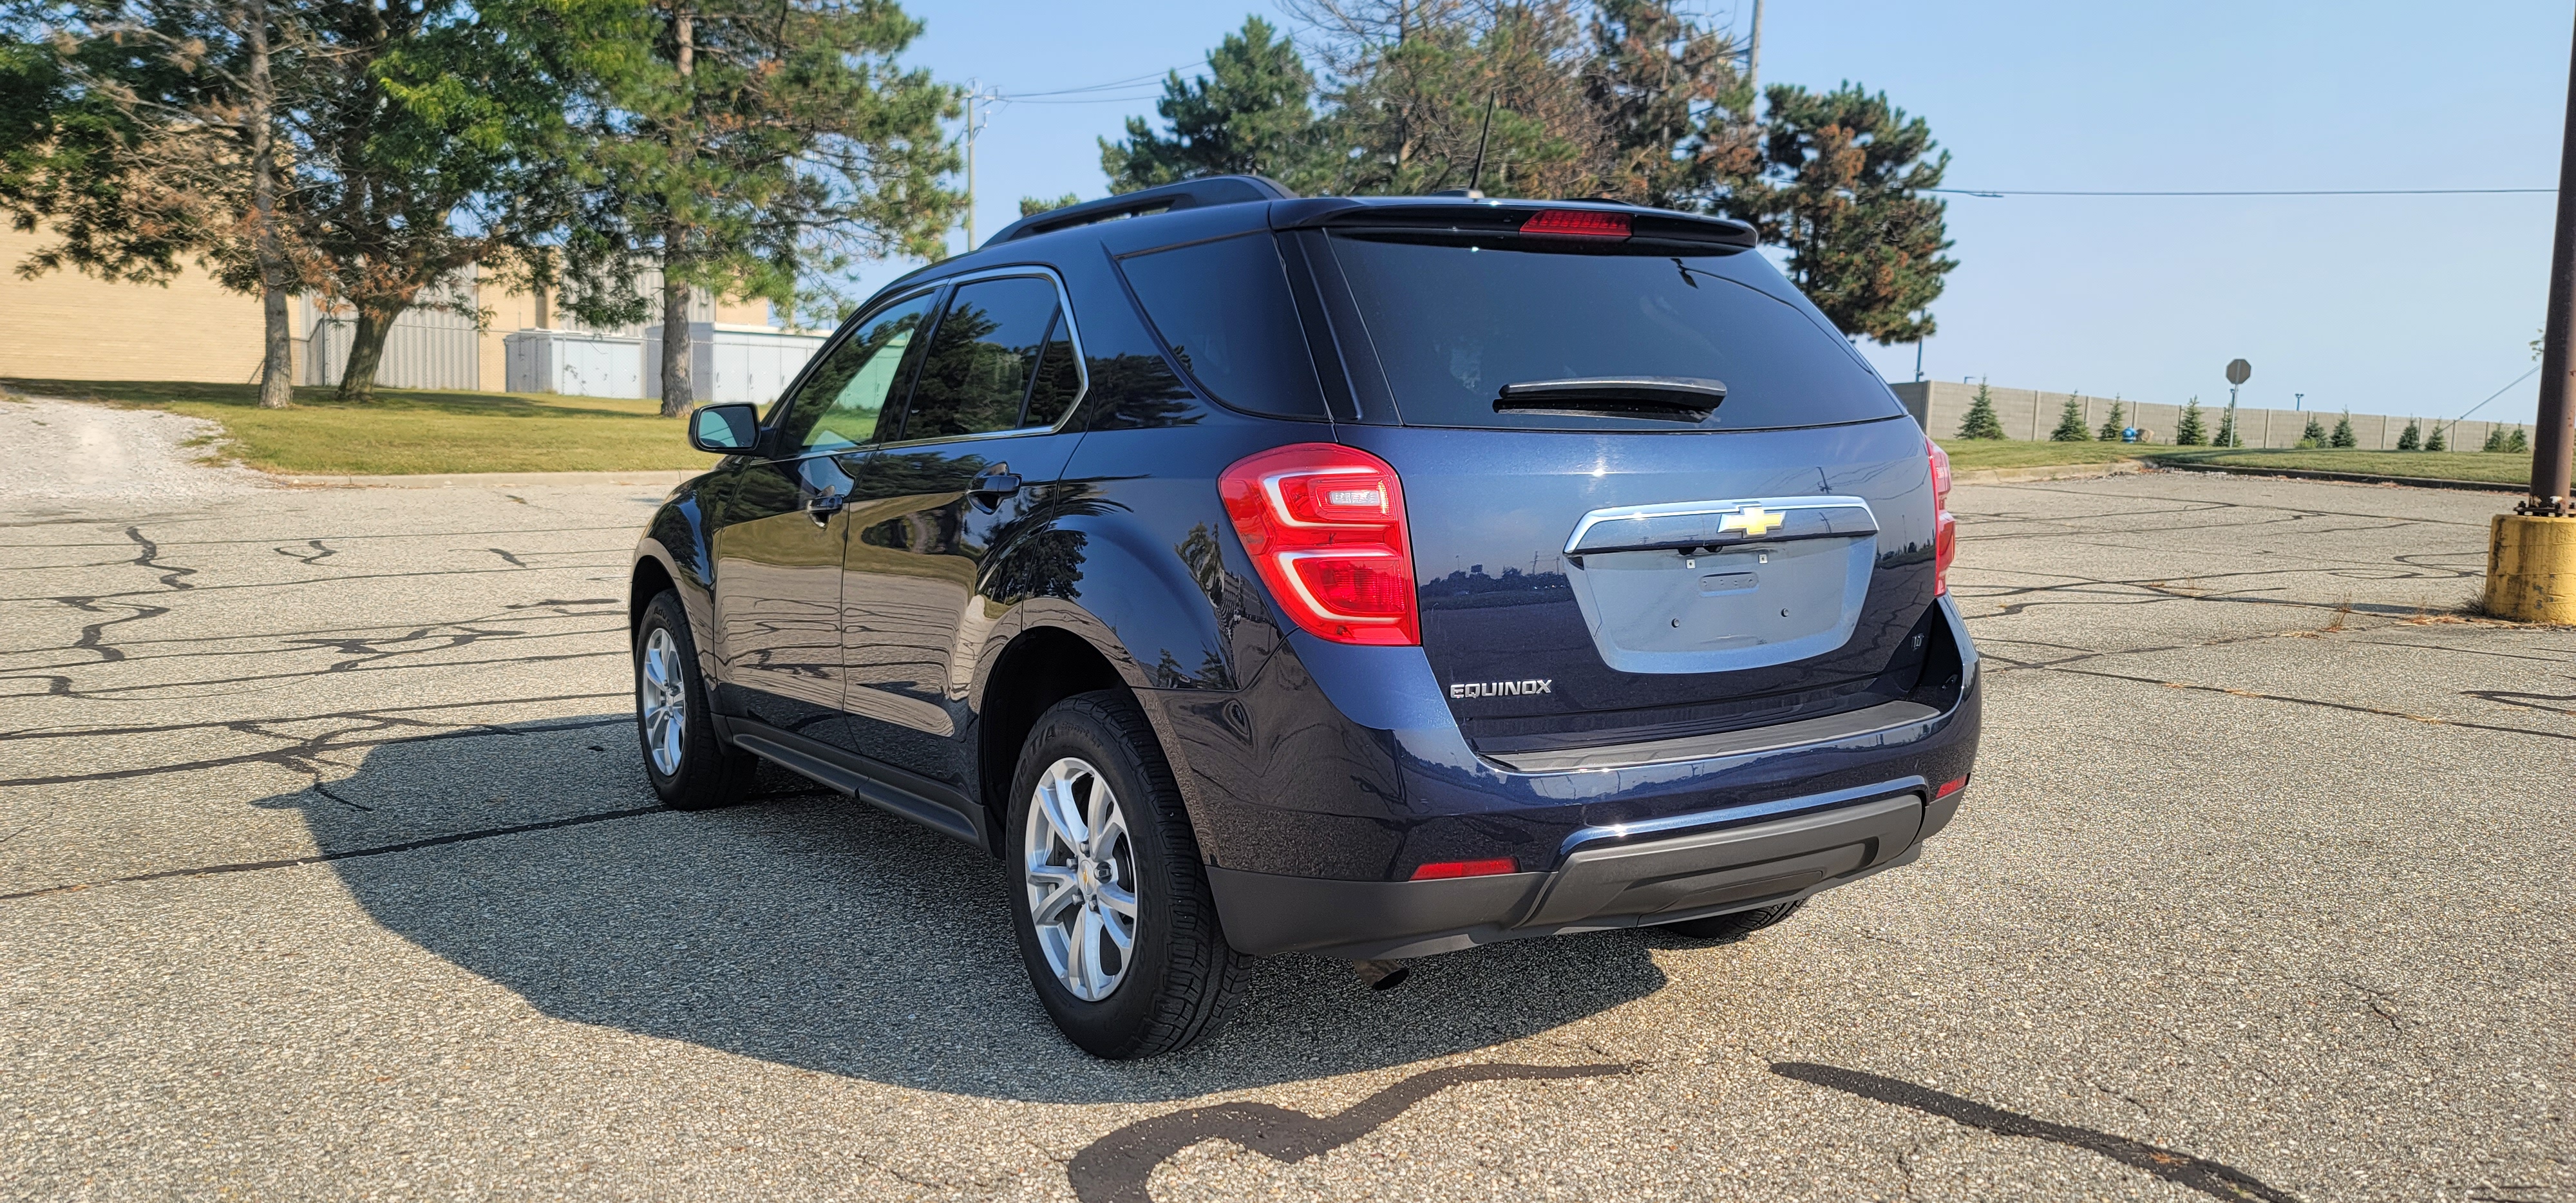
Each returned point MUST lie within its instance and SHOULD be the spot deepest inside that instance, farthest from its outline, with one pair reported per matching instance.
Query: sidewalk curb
(2015, 476)
(486, 480)
(2350, 478)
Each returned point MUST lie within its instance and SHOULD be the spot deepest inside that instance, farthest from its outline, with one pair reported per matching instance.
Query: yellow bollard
(2531, 569)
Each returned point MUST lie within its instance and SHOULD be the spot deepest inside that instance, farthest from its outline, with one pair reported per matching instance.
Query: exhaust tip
(1382, 975)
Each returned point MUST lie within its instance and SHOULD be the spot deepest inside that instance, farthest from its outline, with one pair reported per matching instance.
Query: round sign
(2239, 371)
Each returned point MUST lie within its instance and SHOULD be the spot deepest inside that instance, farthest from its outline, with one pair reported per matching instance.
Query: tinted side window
(840, 403)
(1223, 309)
(1059, 378)
(983, 355)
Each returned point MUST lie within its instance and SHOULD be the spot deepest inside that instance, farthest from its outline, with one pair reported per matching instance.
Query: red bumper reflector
(1442, 870)
(1577, 223)
(1948, 788)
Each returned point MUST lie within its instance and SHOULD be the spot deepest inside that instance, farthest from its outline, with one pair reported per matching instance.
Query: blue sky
(2403, 305)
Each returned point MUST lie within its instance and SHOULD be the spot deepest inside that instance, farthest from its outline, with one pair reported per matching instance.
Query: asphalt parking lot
(326, 869)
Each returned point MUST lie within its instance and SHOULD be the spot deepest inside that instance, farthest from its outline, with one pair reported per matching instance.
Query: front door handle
(995, 484)
(822, 506)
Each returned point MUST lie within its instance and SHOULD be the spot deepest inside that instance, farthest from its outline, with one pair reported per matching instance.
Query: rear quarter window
(1222, 309)
(1454, 321)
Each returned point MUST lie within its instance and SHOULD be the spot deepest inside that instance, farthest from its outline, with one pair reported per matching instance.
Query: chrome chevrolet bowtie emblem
(1753, 521)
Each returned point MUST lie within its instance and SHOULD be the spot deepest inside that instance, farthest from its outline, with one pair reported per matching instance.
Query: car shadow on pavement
(813, 931)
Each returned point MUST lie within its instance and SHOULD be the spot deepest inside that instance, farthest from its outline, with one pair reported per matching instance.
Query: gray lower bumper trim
(1620, 885)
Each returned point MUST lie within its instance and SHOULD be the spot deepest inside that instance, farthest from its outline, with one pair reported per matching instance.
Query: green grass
(409, 430)
(1968, 455)
(2499, 468)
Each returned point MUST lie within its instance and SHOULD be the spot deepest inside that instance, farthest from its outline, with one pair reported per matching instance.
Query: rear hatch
(1652, 494)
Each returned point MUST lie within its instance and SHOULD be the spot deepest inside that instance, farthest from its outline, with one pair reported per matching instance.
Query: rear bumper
(1605, 882)
(1312, 834)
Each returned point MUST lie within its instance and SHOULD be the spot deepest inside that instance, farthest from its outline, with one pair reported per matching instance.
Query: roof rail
(1188, 194)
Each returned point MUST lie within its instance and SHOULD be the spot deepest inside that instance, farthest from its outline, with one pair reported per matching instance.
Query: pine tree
(2519, 442)
(2226, 428)
(2435, 441)
(2188, 432)
(1981, 422)
(2412, 439)
(2314, 435)
(2113, 425)
(1842, 190)
(2343, 435)
(2070, 424)
(1253, 114)
(2495, 440)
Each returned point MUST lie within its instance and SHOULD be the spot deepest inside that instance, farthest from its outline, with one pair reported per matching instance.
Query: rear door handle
(822, 506)
(995, 484)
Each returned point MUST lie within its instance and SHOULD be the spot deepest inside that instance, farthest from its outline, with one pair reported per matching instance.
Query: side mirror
(724, 429)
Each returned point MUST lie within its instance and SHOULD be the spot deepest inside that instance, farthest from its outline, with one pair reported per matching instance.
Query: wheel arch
(1040, 666)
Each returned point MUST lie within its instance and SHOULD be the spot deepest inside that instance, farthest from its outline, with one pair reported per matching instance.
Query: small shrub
(1981, 422)
(2070, 424)
(2188, 432)
(2495, 440)
(2412, 438)
(2518, 442)
(2113, 425)
(2343, 436)
(2227, 436)
(2436, 441)
(2314, 435)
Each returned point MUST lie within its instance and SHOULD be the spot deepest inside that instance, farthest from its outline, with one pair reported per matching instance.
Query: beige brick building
(64, 325)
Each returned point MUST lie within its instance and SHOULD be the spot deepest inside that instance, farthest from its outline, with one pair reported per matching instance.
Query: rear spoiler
(1188, 194)
(1648, 228)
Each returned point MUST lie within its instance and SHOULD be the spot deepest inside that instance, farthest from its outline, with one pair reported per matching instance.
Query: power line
(2003, 192)
(1112, 85)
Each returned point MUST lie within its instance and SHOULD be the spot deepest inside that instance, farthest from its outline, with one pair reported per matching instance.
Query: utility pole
(975, 96)
(2531, 554)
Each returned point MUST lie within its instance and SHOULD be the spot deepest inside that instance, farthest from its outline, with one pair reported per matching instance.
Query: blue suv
(1369, 577)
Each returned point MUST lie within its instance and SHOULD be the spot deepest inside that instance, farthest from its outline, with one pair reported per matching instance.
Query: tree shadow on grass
(816, 932)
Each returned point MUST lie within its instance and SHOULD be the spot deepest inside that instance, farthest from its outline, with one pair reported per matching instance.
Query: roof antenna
(1477, 175)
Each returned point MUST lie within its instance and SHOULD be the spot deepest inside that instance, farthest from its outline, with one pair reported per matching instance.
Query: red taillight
(1443, 870)
(1324, 524)
(1576, 223)
(1949, 787)
(1945, 529)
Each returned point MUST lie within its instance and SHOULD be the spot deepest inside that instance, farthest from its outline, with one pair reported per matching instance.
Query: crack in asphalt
(150, 557)
(2212, 1178)
(290, 862)
(303, 754)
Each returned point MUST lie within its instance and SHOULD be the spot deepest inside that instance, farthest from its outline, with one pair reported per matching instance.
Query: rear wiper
(1656, 398)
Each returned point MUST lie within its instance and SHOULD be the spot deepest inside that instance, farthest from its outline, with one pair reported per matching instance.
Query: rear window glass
(1453, 323)
(1222, 308)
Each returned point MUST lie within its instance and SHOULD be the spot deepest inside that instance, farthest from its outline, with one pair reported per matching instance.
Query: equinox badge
(1500, 689)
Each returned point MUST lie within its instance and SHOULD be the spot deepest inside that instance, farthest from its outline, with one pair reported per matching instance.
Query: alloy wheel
(662, 700)
(1079, 868)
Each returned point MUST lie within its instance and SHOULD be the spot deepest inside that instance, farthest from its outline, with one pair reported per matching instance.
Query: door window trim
(1072, 329)
(936, 290)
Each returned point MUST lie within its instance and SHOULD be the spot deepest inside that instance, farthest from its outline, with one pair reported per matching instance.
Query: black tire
(1180, 978)
(1735, 926)
(709, 772)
